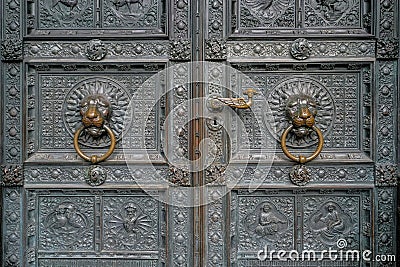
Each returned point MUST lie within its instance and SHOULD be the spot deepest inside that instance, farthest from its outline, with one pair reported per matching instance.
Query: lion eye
(84, 107)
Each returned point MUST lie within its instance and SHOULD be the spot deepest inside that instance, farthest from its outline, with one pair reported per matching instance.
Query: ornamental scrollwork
(96, 50)
(216, 49)
(12, 175)
(301, 49)
(180, 49)
(386, 175)
(388, 48)
(179, 176)
(300, 175)
(96, 175)
(11, 50)
(215, 174)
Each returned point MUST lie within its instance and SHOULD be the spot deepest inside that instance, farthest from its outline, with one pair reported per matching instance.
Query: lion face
(301, 111)
(95, 111)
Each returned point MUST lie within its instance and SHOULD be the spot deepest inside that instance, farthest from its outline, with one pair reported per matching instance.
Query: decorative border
(215, 225)
(67, 175)
(180, 238)
(386, 227)
(348, 174)
(216, 19)
(262, 50)
(385, 110)
(77, 50)
(12, 227)
(180, 20)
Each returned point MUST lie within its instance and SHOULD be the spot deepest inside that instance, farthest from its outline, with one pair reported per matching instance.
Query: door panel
(59, 210)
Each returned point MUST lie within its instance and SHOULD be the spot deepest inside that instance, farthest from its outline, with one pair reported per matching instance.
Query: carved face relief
(93, 102)
(95, 111)
(295, 101)
(301, 111)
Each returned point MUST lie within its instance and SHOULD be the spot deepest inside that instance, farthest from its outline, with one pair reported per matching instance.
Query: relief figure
(330, 223)
(266, 222)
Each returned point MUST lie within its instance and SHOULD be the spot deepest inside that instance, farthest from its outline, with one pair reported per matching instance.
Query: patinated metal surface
(58, 210)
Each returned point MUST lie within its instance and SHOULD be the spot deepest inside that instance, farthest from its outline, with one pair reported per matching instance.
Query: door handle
(95, 111)
(240, 103)
(301, 111)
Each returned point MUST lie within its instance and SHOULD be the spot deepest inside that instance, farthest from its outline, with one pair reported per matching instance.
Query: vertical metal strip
(197, 129)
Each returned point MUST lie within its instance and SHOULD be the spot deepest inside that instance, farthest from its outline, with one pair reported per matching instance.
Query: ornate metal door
(127, 141)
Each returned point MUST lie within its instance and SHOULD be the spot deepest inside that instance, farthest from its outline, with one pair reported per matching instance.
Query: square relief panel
(82, 228)
(342, 100)
(54, 109)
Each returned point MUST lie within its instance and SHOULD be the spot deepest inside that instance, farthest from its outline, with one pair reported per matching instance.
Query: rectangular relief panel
(338, 95)
(84, 228)
(301, 223)
(294, 17)
(55, 94)
(88, 17)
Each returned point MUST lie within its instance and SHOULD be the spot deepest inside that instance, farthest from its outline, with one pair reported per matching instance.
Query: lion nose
(92, 112)
(305, 113)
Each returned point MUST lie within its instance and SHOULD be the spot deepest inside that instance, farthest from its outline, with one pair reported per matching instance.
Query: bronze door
(177, 109)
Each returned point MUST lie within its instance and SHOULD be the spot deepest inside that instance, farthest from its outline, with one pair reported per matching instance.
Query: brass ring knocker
(302, 159)
(94, 158)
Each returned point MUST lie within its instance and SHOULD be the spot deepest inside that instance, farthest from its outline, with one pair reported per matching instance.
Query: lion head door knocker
(301, 110)
(96, 111)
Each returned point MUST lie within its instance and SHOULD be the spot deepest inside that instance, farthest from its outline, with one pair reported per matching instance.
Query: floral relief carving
(12, 175)
(216, 49)
(180, 49)
(386, 175)
(388, 48)
(11, 50)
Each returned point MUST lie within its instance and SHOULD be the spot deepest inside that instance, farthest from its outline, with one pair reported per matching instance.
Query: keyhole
(215, 122)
